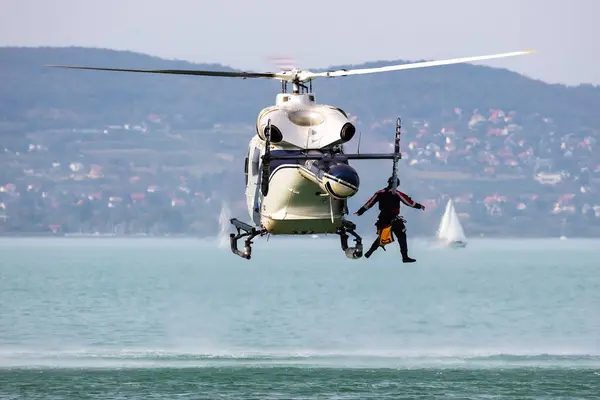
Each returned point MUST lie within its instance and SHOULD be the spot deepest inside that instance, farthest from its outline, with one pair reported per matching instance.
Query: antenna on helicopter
(266, 161)
(396, 155)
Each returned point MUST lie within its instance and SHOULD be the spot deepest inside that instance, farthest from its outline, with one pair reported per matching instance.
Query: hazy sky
(319, 33)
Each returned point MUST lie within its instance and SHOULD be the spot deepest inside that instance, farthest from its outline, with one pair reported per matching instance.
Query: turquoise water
(184, 318)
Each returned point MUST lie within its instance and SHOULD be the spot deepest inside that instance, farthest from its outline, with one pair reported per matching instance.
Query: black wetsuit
(389, 210)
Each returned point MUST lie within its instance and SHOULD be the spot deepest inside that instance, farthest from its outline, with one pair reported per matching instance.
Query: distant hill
(94, 151)
(32, 93)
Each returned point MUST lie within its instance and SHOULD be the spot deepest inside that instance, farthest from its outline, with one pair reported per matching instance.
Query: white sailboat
(562, 230)
(450, 232)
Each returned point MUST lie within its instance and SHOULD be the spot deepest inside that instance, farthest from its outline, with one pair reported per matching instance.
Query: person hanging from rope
(389, 221)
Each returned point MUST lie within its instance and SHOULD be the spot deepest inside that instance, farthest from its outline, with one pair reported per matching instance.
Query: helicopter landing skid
(349, 228)
(249, 232)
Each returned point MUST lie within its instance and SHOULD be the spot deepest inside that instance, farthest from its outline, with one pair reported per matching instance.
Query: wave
(138, 358)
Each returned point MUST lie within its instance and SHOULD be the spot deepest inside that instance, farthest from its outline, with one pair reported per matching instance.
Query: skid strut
(249, 232)
(350, 228)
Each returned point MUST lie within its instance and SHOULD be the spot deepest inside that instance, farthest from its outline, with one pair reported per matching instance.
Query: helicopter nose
(341, 181)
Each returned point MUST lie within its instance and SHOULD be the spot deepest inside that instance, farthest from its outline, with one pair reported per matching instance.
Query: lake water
(185, 318)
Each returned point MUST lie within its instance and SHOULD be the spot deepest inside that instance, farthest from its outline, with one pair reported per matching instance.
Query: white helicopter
(298, 179)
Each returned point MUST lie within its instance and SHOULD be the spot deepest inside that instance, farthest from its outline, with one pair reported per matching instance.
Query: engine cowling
(347, 132)
(341, 181)
(302, 123)
(272, 113)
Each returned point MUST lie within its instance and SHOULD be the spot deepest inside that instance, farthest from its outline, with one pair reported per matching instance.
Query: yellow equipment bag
(385, 235)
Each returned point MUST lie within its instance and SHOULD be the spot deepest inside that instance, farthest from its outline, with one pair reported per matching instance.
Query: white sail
(455, 230)
(442, 228)
(450, 230)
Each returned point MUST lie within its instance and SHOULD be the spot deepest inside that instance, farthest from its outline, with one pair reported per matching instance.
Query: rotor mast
(299, 85)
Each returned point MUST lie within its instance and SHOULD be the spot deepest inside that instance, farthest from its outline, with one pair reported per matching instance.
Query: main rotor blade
(180, 72)
(331, 74)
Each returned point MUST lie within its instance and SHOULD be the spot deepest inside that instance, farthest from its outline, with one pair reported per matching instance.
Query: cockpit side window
(246, 166)
(255, 161)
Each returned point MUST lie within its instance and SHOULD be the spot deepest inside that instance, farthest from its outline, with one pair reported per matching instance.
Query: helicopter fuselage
(306, 196)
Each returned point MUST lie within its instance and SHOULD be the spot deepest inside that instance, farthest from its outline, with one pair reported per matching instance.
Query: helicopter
(298, 177)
